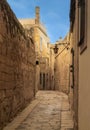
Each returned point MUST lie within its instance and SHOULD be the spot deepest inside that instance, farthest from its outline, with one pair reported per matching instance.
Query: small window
(37, 62)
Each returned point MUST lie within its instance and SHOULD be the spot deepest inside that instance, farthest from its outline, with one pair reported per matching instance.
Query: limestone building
(39, 35)
(62, 63)
(17, 66)
(80, 40)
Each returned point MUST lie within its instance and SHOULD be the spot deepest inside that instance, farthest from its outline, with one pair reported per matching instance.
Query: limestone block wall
(62, 62)
(43, 55)
(17, 66)
(42, 48)
(74, 92)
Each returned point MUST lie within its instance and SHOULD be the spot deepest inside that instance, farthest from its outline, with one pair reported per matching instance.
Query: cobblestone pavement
(49, 111)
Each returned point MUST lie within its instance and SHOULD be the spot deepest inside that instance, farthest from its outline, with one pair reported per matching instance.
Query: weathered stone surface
(17, 65)
(47, 112)
(62, 63)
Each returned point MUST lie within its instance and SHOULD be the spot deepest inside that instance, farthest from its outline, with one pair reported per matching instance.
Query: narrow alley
(44, 65)
(49, 111)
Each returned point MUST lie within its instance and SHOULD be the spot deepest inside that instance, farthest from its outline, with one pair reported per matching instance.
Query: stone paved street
(49, 111)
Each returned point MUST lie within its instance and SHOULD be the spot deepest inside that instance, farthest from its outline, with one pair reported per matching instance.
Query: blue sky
(54, 14)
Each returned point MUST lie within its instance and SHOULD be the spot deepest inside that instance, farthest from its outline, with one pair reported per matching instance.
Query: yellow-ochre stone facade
(28, 62)
(80, 42)
(62, 65)
(50, 74)
(17, 65)
(42, 48)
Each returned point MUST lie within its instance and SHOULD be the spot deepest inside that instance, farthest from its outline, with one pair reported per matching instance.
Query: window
(37, 62)
(82, 25)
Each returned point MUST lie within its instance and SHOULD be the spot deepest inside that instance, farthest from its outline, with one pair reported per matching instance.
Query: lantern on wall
(55, 49)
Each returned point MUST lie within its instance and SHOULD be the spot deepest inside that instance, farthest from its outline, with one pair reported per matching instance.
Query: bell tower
(37, 18)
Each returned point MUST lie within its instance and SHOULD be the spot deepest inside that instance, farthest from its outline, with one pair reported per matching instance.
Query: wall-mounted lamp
(66, 46)
(55, 49)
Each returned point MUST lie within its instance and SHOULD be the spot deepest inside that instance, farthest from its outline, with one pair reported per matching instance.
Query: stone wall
(81, 91)
(74, 92)
(42, 49)
(17, 66)
(62, 63)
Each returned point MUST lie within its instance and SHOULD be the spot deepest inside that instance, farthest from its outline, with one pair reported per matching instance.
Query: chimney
(37, 19)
